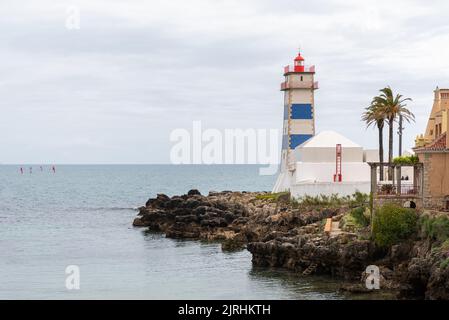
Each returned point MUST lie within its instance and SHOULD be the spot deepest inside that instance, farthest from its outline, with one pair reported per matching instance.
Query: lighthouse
(324, 163)
(299, 114)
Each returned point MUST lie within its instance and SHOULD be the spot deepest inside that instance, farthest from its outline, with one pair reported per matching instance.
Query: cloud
(114, 89)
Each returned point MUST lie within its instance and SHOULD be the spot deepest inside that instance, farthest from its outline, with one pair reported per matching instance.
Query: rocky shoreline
(279, 233)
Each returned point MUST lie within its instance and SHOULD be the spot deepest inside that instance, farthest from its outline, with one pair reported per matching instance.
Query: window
(436, 131)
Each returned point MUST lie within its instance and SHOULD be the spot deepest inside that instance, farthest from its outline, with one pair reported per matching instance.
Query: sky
(112, 90)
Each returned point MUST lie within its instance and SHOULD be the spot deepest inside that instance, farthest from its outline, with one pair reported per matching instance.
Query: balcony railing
(291, 68)
(299, 85)
(393, 190)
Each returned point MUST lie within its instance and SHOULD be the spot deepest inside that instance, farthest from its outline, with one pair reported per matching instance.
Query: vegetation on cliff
(435, 228)
(357, 199)
(393, 224)
(356, 220)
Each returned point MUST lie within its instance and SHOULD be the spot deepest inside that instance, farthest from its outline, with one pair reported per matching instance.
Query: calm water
(82, 216)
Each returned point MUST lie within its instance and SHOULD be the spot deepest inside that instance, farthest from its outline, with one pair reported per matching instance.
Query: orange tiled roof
(438, 144)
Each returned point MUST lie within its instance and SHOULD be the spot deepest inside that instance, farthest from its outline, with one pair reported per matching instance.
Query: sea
(68, 234)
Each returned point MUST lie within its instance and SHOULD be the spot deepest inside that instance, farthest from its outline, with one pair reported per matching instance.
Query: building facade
(432, 149)
(438, 119)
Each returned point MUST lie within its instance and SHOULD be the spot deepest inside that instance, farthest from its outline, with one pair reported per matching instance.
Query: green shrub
(435, 228)
(445, 245)
(406, 160)
(392, 224)
(441, 248)
(444, 263)
(440, 228)
(273, 196)
(359, 216)
(294, 202)
(355, 220)
(321, 200)
(359, 199)
(356, 200)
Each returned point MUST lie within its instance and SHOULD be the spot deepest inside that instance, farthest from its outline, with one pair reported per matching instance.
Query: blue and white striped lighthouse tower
(299, 115)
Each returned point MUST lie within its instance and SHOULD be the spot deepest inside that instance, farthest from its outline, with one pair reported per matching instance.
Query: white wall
(324, 172)
(371, 155)
(340, 188)
(407, 171)
(283, 182)
(325, 155)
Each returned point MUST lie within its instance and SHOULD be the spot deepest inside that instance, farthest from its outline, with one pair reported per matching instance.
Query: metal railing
(389, 189)
(291, 68)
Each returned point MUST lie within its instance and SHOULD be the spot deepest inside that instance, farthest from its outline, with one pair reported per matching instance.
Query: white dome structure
(328, 138)
(317, 162)
(321, 148)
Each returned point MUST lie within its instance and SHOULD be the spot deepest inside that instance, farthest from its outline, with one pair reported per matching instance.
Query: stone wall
(379, 201)
(435, 180)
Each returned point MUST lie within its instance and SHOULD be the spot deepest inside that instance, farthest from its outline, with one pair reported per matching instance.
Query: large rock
(193, 215)
(278, 235)
(193, 192)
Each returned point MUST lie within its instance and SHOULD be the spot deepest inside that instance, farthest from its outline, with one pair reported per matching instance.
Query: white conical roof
(328, 139)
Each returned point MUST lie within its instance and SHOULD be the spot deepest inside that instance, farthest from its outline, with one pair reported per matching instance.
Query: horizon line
(136, 164)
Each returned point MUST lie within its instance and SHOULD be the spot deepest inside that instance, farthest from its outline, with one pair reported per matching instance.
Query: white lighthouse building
(326, 163)
(299, 118)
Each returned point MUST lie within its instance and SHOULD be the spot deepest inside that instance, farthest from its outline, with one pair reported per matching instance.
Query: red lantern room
(299, 63)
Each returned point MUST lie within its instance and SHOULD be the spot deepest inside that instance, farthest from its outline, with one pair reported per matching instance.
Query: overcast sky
(112, 91)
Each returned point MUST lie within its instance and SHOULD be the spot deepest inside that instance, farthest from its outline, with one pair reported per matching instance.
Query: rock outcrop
(237, 218)
(344, 255)
(279, 235)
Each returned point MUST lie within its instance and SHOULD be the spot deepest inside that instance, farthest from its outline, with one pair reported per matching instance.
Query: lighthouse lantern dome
(299, 63)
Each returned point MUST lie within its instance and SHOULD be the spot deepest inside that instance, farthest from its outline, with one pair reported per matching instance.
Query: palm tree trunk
(381, 152)
(390, 148)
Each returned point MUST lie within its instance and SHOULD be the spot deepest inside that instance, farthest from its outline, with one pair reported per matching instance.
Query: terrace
(395, 188)
(290, 69)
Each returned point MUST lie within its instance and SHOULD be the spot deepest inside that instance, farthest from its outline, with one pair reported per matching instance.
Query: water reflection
(298, 286)
(201, 270)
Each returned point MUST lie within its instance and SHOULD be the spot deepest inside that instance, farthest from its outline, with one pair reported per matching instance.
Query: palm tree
(374, 116)
(392, 106)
